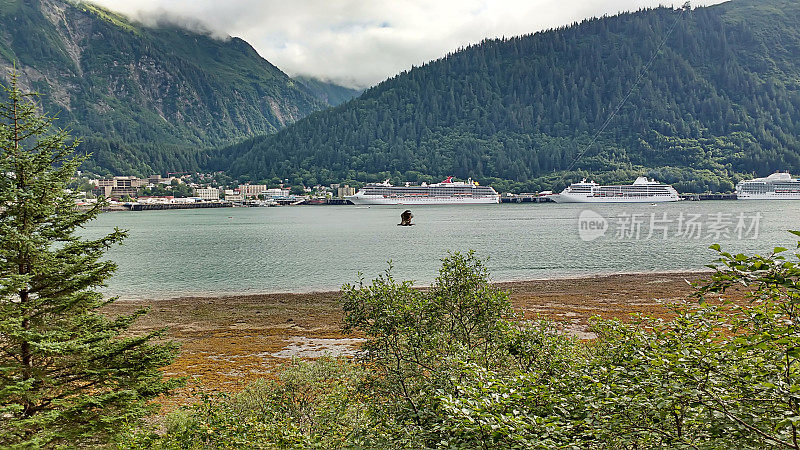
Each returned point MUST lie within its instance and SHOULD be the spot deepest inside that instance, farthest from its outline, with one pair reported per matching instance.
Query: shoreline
(323, 291)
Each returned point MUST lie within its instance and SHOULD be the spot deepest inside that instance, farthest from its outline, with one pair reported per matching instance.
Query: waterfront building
(164, 199)
(345, 191)
(252, 190)
(118, 187)
(233, 196)
(208, 193)
(276, 193)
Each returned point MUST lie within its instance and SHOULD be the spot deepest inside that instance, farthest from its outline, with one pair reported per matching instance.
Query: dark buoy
(405, 219)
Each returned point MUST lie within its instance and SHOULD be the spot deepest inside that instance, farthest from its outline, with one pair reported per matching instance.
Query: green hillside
(721, 99)
(144, 99)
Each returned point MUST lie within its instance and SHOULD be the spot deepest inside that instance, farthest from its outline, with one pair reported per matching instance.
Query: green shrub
(313, 404)
(716, 376)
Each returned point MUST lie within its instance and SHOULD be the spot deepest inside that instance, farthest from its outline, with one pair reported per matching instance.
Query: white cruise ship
(448, 192)
(778, 186)
(641, 191)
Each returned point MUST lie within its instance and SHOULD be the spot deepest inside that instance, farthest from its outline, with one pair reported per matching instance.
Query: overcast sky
(361, 42)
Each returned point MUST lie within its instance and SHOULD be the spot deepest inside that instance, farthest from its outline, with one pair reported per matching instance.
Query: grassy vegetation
(110, 17)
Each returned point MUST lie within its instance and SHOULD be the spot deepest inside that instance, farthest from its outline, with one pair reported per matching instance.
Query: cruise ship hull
(380, 200)
(768, 196)
(570, 198)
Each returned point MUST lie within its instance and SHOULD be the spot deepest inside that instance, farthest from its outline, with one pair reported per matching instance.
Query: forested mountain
(145, 99)
(327, 92)
(721, 99)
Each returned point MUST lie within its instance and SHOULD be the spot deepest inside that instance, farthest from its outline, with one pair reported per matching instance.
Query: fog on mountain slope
(145, 100)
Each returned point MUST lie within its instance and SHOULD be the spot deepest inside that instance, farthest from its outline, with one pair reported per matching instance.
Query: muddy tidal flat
(228, 342)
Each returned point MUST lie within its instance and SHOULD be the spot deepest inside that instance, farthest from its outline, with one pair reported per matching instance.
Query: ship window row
(764, 188)
(620, 188)
(427, 191)
(421, 195)
(632, 194)
(632, 191)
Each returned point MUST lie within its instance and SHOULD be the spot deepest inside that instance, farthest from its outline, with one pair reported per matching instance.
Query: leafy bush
(422, 344)
(716, 376)
(313, 404)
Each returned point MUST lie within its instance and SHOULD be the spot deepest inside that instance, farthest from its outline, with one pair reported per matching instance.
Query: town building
(252, 190)
(208, 193)
(276, 193)
(118, 187)
(345, 191)
(157, 179)
(233, 196)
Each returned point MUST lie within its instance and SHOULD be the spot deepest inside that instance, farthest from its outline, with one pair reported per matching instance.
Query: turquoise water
(312, 248)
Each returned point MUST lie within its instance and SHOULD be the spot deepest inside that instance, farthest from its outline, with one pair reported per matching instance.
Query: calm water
(298, 249)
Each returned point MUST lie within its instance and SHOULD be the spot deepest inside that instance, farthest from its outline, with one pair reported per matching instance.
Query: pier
(160, 206)
(327, 201)
(507, 199)
(698, 197)
(525, 198)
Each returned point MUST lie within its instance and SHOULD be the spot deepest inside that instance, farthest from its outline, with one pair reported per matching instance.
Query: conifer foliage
(68, 374)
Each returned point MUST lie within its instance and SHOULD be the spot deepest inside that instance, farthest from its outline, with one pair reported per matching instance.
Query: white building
(208, 193)
(252, 190)
(276, 192)
(233, 196)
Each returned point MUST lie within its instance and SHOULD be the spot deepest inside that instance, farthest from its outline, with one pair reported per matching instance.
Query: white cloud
(361, 42)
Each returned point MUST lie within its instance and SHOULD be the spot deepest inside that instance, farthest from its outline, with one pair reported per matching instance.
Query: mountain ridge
(145, 99)
(721, 100)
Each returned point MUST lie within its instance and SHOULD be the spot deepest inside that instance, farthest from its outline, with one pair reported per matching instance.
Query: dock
(327, 201)
(525, 198)
(160, 206)
(698, 197)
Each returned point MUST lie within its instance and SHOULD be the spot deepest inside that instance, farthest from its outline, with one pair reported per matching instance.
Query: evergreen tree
(68, 374)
